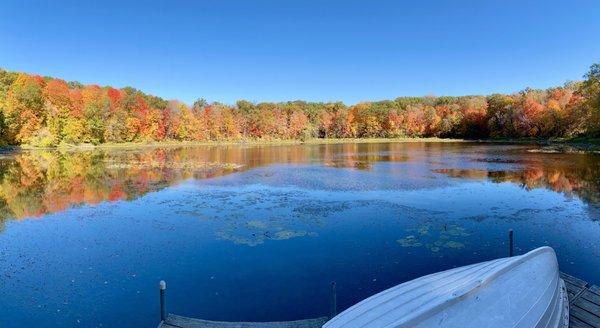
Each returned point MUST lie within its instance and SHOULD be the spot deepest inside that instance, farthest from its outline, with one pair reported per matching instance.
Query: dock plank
(585, 316)
(584, 300)
(573, 280)
(591, 297)
(576, 323)
(185, 322)
(575, 286)
(166, 325)
(588, 306)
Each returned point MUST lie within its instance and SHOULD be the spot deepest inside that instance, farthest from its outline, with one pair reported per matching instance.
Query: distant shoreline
(248, 142)
(582, 145)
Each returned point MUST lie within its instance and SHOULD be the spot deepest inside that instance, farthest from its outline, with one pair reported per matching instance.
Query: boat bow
(520, 291)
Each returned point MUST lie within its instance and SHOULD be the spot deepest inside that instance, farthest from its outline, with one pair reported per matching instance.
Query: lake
(257, 233)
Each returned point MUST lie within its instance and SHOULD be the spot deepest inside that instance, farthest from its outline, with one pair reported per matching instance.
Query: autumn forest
(44, 111)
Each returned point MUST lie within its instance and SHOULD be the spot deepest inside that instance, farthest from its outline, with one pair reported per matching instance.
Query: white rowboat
(520, 291)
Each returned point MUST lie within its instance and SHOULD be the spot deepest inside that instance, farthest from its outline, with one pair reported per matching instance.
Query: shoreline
(578, 145)
(249, 142)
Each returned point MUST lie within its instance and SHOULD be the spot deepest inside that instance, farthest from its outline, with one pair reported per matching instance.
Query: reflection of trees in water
(35, 183)
(581, 182)
(573, 176)
(593, 211)
(574, 180)
(39, 182)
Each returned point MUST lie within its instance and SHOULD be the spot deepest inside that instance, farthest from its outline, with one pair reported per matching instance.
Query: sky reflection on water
(257, 233)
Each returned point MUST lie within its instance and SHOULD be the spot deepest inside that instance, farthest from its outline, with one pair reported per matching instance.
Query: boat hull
(520, 291)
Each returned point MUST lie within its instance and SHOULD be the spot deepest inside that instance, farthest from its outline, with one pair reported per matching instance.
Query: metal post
(163, 308)
(333, 300)
(511, 243)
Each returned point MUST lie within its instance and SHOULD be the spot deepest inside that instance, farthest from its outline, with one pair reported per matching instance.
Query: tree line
(44, 111)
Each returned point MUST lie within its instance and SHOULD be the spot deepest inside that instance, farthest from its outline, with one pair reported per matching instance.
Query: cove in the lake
(257, 233)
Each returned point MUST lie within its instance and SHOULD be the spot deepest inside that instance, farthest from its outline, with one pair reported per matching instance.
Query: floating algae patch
(192, 213)
(435, 238)
(504, 160)
(409, 241)
(456, 231)
(256, 232)
(318, 208)
(359, 165)
(287, 234)
(424, 230)
(454, 244)
(257, 224)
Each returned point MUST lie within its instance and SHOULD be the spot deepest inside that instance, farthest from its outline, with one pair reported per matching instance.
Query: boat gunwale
(443, 274)
(483, 279)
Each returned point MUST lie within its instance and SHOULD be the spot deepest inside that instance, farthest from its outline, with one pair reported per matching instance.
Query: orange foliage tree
(47, 111)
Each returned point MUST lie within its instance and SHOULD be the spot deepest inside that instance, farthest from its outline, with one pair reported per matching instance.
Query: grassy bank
(250, 142)
(556, 145)
(548, 145)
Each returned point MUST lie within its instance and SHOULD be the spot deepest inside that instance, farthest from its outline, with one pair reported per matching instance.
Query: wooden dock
(176, 321)
(168, 320)
(584, 312)
(584, 303)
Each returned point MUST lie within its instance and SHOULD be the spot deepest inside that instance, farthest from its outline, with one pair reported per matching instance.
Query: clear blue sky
(314, 50)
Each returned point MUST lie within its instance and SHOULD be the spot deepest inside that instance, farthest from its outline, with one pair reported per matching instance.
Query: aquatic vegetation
(256, 224)
(321, 209)
(424, 230)
(435, 238)
(256, 232)
(359, 165)
(281, 220)
(454, 244)
(409, 241)
(454, 230)
(34, 183)
(287, 234)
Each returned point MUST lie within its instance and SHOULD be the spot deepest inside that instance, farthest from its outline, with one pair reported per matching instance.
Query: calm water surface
(258, 233)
